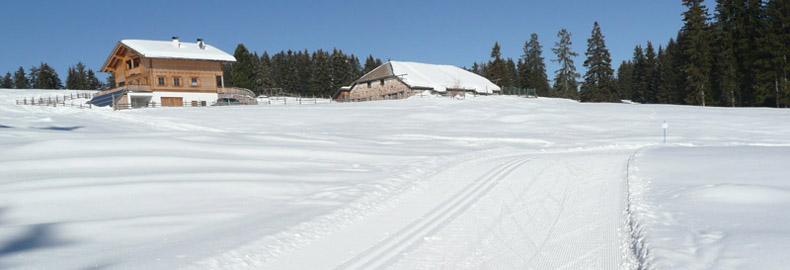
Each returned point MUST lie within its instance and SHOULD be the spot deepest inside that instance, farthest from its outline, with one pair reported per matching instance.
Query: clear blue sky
(63, 33)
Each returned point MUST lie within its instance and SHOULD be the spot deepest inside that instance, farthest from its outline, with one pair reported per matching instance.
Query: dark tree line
(38, 77)
(739, 57)
(320, 73)
(45, 77)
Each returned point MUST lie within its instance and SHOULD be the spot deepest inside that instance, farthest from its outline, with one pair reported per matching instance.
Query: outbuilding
(398, 79)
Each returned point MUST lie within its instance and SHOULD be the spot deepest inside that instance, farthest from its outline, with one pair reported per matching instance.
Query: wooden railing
(130, 88)
(245, 96)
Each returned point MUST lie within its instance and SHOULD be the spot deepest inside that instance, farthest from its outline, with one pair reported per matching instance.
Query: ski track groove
(390, 249)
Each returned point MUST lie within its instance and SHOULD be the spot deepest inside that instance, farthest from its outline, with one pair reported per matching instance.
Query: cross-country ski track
(559, 210)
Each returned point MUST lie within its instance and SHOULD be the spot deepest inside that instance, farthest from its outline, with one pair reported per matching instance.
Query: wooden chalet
(165, 73)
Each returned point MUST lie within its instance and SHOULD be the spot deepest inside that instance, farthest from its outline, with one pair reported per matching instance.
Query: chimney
(201, 44)
(175, 42)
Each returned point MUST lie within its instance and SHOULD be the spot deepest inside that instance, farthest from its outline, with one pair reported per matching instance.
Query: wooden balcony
(131, 72)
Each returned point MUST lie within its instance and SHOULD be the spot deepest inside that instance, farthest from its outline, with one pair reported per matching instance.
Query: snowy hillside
(425, 183)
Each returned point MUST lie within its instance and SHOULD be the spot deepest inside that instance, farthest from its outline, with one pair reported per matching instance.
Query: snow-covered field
(485, 182)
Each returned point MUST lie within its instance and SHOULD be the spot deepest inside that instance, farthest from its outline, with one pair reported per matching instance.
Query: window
(121, 83)
(368, 84)
(135, 62)
(219, 81)
(381, 82)
(194, 81)
(128, 64)
(176, 81)
(161, 80)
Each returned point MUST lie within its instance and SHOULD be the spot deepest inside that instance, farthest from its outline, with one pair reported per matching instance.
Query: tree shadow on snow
(62, 128)
(38, 236)
(4, 126)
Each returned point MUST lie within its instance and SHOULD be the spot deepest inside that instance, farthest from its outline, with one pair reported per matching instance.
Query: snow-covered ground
(713, 207)
(484, 182)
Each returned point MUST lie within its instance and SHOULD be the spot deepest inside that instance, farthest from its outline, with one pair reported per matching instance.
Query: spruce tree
(777, 37)
(625, 80)
(93, 82)
(532, 71)
(47, 77)
(696, 48)
(263, 72)
(497, 68)
(639, 76)
(598, 85)
(71, 78)
(664, 76)
(32, 77)
(7, 82)
(321, 78)
(242, 72)
(82, 76)
(565, 84)
(20, 79)
(110, 81)
(651, 82)
(511, 73)
(370, 64)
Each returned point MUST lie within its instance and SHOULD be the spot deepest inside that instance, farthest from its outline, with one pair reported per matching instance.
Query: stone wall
(380, 90)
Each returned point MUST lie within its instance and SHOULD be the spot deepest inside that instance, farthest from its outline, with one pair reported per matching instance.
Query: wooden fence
(58, 101)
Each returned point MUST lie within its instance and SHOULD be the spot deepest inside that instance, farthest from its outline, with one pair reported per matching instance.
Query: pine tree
(20, 79)
(639, 76)
(625, 80)
(651, 78)
(696, 48)
(46, 77)
(32, 77)
(598, 85)
(7, 82)
(777, 38)
(93, 82)
(242, 72)
(532, 68)
(497, 68)
(565, 84)
(321, 78)
(110, 81)
(71, 79)
(77, 78)
(664, 75)
(263, 72)
(511, 73)
(371, 64)
(82, 76)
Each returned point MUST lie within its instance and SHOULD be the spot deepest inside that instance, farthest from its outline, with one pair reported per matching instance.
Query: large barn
(396, 79)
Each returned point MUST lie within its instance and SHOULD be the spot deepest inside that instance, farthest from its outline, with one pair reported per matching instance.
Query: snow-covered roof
(436, 77)
(184, 50)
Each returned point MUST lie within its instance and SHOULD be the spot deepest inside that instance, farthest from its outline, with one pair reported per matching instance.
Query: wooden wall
(204, 71)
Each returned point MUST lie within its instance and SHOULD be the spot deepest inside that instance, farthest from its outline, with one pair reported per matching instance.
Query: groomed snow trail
(550, 211)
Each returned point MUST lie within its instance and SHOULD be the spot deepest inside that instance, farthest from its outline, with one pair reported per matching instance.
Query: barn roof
(429, 76)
